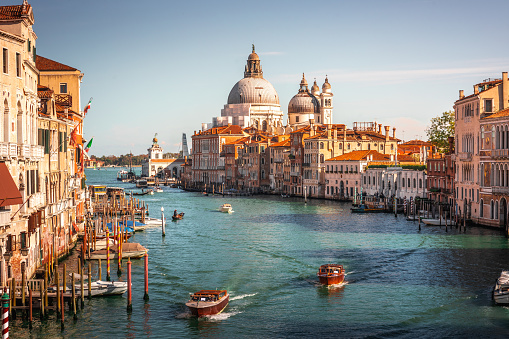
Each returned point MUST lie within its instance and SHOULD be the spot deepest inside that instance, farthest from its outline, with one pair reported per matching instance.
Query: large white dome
(253, 91)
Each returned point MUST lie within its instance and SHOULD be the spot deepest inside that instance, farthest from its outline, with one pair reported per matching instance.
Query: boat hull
(102, 254)
(331, 279)
(437, 222)
(203, 308)
(103, 288)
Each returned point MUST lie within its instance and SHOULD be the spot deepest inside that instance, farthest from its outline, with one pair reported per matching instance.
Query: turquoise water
(401, 282)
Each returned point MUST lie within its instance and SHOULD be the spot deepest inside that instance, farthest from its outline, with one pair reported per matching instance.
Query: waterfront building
(475, 198)
(231, 159)
(280, 165)
(208, 165)
(156, 163)
(20, 154)
(309, 105)
(396, 182)
(440, 176)
(343, 173)
(494, 167)
(252, 101)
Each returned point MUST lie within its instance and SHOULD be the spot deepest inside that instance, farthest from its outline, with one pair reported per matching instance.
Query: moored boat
(226, 208)
(365, 209)
(208, 302)
(438, 222)
(129, 250)
(158, 189)
(331, 274)
(501, 289)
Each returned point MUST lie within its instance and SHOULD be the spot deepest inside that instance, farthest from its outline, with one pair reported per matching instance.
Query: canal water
(401, 282)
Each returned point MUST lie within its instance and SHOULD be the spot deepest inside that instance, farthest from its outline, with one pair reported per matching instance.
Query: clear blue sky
(167, 66)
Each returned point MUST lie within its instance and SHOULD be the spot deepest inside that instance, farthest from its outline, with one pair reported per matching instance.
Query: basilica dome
(253, 91)
(304, 102)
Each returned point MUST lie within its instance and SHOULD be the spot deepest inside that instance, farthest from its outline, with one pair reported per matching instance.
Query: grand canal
(401, 282)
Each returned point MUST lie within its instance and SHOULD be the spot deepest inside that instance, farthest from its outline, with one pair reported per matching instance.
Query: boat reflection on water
(332, 292)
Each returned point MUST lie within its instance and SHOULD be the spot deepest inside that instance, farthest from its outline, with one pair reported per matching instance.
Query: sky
(166, 67)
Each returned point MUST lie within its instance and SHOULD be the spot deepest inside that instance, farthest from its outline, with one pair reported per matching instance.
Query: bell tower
(326, 102)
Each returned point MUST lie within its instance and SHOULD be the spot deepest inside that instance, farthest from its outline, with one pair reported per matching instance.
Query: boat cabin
(115, 192)
(208, 295)
(97, 190)
(331, 269)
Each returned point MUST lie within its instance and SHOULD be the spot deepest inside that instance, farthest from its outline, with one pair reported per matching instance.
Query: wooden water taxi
(208, 302)
(331, 274)
(226, 208)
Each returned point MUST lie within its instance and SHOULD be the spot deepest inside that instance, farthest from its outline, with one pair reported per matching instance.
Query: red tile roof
(13, 12)
(499, 114)
(284, 143)
(362, 155)
(45, 64)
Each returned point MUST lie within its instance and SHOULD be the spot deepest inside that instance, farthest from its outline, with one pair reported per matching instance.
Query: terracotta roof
(284, 143)
(231, 129)
(44, 92)
(240, 141)
(499, 114)
(45, 64)
(14, 12)
(416, 143)
(362, 155)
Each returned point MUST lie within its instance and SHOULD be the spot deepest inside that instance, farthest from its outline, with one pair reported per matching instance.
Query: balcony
(500, 153)
(64, 100)
(4, 149)
(13, 150)
(306, 164)
(434, 190)
(500, 190)
(24, 151)
(278, 161)
(465, 156)
(294, 173)
(36, 152)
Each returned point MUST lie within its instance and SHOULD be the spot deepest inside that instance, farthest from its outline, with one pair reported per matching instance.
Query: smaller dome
(303, 82)
(154, 140)
(326, 88)
(315, 90)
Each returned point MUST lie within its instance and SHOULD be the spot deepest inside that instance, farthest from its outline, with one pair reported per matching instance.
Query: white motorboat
(158, 189)
(129, 250)
(438, 222)
(98, 288)
(501, 290)
(226, 208)
(152, 221)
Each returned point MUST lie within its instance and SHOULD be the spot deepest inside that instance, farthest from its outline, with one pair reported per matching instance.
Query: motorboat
(129, 250)
(158, 189)
(98, 288)
(331, 274)
(226, 208)
(365, 209)
(501, 289)
(178, 216)
(208, 302)
(152, 221)
(438, 222)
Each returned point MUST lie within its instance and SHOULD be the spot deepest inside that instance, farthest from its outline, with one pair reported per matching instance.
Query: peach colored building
(477, 159)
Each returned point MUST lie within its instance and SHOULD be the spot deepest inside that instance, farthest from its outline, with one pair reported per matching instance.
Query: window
(488, 105)
(5, 60)
(63, 88)
(296, 119)
(18, 65)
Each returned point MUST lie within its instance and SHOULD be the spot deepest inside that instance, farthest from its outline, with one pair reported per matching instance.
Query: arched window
(415, 183)
(408, 183)
(264, 125)
(322, 158)
(492, 207)
(321, 145)
(420, 183)
(481, 209)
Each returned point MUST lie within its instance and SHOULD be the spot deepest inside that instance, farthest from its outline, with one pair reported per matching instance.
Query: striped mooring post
(404, 207)
(5, 315)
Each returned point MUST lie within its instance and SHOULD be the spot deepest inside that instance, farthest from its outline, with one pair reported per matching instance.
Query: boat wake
(242, 296)
(221, 316)
(185, 315)
(344, 283)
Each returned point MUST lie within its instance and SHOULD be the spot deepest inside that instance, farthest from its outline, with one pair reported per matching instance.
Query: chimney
(386, 133)
(505, 91)
(462, 95)
(451, 145)
(329, 132)
(394, 132)
(380, 128)
(335, 134)
(476, 89)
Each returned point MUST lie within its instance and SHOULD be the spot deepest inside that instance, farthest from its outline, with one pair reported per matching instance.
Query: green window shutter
(34, 53)
(29, 45)
(65, 141)
(46, 141)
(60, 141)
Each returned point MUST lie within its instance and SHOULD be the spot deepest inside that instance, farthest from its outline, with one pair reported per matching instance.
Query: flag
(87, 147)
(74, 136)
(87, 107)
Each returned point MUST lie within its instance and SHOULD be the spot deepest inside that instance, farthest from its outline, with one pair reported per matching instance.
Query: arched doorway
(503, 214)
(341, 189)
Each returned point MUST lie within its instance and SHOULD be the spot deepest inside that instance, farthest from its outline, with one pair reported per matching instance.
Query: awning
(9, 193)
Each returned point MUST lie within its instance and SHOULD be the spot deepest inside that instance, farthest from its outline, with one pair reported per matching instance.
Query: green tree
(442, 127)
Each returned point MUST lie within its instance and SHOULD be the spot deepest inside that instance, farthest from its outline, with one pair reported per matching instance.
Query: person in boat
(175, 213)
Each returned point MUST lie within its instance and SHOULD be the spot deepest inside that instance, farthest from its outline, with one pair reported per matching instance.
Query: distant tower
(326, 102)
(155, 152)
(185, 150)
